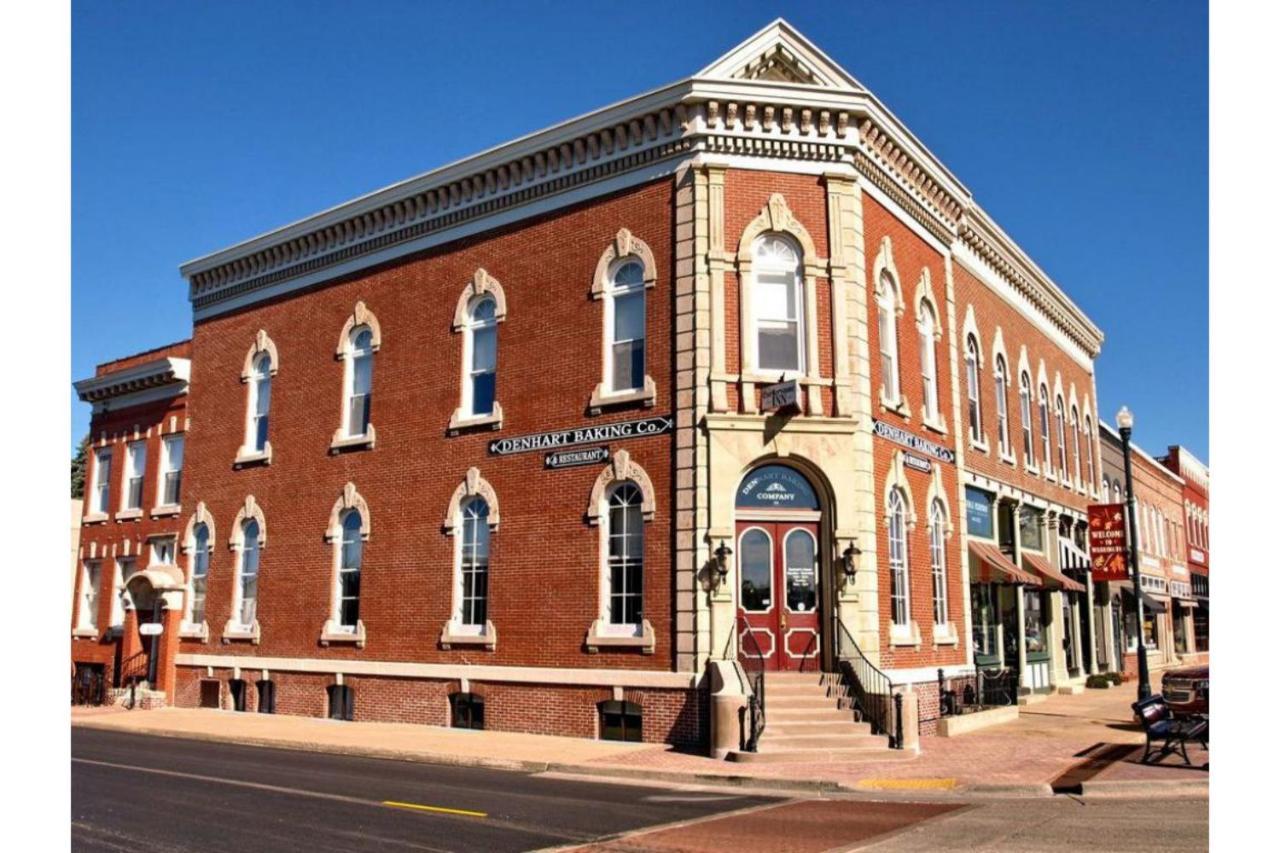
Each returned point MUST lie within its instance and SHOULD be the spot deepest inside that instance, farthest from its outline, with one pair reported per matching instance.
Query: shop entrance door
(778, 570)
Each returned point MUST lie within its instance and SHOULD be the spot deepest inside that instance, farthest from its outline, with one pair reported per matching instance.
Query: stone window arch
(471, 519)
(197, 545)
(624, 274)
(481, 308)
(350, 525)
(360, 340)
(622, 503)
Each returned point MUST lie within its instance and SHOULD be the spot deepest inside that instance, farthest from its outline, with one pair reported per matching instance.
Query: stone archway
(150, 653)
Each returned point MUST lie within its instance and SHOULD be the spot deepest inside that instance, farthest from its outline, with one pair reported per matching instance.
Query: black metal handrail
(977, 691)
(752, 660)
(872, 691)
(133, 670)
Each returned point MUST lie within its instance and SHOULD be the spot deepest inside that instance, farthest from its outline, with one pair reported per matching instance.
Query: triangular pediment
(780, 54)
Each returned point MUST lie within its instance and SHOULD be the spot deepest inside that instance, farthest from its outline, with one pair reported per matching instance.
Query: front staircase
(810, 718)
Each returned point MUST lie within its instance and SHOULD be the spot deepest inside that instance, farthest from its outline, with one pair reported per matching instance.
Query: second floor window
(135, 471)
(1046, 456)
(102, 481)
(171, 463)
(1088, 441)
(259, 404)
(626, 347)
(90, 577)
(971, 377)
(1075, 446)
(1060, 418)
(778, 305)
(887, 326)
(1024, 400)
(928, 361)
(481, 345)
(359, 382)
(1002, 405)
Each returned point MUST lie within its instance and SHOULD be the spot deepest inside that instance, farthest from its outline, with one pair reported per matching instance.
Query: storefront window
(1179, 632)
(984, 619)
(1031, 528)
(1033, 623)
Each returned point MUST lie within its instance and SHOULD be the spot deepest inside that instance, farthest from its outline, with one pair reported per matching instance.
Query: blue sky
(1082, 128)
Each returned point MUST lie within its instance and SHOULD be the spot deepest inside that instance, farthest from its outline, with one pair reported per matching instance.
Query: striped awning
(1046, 570)
(988, 564)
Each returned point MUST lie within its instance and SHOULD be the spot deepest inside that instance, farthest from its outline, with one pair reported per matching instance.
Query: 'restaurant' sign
(781, 396)
(898, 435)
(573, 458)
(581, 435)
(1108, 544)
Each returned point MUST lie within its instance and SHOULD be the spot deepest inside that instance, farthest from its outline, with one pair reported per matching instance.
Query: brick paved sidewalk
(1061, 742)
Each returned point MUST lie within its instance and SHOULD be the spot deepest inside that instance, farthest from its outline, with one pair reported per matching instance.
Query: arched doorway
(779, 530)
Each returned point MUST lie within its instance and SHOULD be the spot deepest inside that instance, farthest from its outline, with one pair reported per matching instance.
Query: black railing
(986, 688)
(752, 659)
(872, 691)
(89, 686)
(132, 672)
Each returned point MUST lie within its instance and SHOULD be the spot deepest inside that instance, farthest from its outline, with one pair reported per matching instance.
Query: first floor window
(349, 570)
(1033, 624)
(475, 562)
(985, 619)
(199, 572)
(938, 561)
(468, 710)
(1002, 405)
(342, 702)
(90, 577)
(898, 591)
(249, 557)
(626, 555)
(125, 569)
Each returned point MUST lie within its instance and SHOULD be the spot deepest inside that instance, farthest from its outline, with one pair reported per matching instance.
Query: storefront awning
(1154, 605)
(988, 564)
(1055, 578)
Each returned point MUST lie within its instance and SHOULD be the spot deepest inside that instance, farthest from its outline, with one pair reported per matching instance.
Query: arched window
(359, 383)
(1059, 415)
(199, 574)
(247, 607)
(1088, 442)
(1024, 399)
(473, 564)
(349, 570)
(480, 352)
(626, 555)
(778, 304)
(1002, 405)
(971, 377)
(625, 303)
(899, 587)
(938, 560)
(755, 568)
(927, 325)
(1075, 443)
(887, 314)
(1047, 455)
(259, 404)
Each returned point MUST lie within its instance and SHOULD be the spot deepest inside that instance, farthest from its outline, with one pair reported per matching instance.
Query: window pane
(779, 346)
(628, 316)
(362, 372)
(756, 566)
(484, 311)
(629, 274)
(774, 297)
(483, 389)
(628, 365)
(484, 349)
(264, 396)
(802, 583)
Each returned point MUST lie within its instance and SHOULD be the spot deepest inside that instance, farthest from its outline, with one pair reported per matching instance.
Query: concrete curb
(1139, 788)
(1010, 790)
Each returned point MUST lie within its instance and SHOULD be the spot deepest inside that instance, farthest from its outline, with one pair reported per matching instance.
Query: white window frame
(1060, 416)
(612, 294)
(101, 489)
(189, 611)
(259, 379)
(1075, 445)
(1046, 429)
(938, 562)
(235, 629)
(482, 287)
(973, 389)
(624, 249)
(354, 354)
(620, 471)
(361, 321)
(334, 630)
(632, 506)
(89, 599)
(121, 601)
(135, 468)
(455, 632)
(888, 300)
(1088, 438)
(469, 371)
(1002, 406)
(167, 444)
(158, 544)
(927, 326)
(1026, 407)
(899, 561)
(467, 519)
(773, 266)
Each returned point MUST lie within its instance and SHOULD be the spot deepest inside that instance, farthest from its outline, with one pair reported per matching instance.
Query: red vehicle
(1186, 689)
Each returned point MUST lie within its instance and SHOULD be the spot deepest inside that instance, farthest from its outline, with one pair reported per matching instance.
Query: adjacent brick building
(1195, 507)
(573, 435)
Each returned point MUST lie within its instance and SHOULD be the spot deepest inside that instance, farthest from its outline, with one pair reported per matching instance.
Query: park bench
(1165, 733)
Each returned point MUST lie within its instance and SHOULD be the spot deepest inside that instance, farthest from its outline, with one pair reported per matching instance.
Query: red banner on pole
(1108, 542)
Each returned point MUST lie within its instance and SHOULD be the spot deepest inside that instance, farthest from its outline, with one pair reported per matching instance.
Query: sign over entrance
(776, 487)
(1108, 544)
(581, 435)
(151, 629)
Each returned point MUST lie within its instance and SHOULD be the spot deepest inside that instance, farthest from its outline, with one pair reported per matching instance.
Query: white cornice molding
(151, 380)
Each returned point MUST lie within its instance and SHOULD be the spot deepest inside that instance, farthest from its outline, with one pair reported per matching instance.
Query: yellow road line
(908, 784)
(436, 809)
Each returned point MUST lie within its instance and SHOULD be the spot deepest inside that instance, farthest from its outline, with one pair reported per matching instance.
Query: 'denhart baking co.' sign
(898, 435)
(642, 428)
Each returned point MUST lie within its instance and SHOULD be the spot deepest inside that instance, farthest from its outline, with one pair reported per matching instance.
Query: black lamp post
(1124, 420)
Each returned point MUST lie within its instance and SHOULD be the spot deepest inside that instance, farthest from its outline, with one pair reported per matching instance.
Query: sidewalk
(1064, 742)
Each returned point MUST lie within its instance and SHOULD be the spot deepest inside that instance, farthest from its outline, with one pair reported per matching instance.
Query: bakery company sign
(642, 428)
(898, 435)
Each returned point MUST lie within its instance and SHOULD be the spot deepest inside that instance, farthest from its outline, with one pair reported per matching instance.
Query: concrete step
(807, 714)
(821, 727)
(789, 700)
(808, 756)
(787, 688)
(772, 741)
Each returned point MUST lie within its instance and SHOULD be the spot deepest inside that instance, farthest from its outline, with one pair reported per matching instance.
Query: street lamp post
(1124, 420)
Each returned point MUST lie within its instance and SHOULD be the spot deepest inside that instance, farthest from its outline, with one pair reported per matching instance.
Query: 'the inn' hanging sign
(642, 428)
(898, 435)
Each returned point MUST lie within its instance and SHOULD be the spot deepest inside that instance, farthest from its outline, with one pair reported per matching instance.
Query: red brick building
(1195, 507)
(582, 433)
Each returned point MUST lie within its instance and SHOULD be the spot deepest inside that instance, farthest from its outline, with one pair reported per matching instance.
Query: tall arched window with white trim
(899, 584)
(887, 326)
(938, 560)
(1024, 400)
(1075, 443)
(1047, 453)
(1088, 443)
(247, 611)
(480, 345)
(927, 325)
(350, 561)
(199, 574)
(626, 305)
(971, 382)
(626, 555)
(778, 304)
(1002, 405)
(1059, 414)
(256, 429)
(359, 383)
(473, 565)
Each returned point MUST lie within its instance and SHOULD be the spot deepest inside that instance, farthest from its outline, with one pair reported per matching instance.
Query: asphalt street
(138, 793)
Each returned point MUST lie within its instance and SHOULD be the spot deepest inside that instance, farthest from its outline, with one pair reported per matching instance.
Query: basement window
(620, 721)
(266, 697)
(342, 702)
(468, 710)
(239, 690)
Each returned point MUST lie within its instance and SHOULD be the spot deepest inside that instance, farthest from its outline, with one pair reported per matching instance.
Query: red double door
(778, 594)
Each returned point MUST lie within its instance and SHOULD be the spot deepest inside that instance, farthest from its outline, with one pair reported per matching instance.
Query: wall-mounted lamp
(722, 554)
(849, 560)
